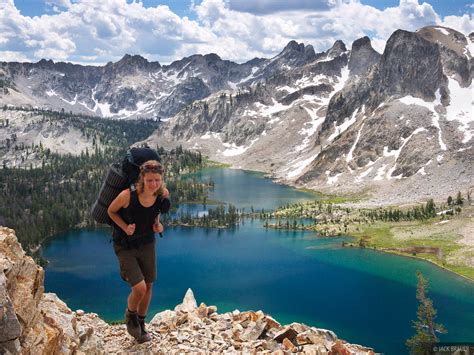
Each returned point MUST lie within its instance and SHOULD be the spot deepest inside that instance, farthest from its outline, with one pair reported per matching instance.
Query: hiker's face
(152, 181)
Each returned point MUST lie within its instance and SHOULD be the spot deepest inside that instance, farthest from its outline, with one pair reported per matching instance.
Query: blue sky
(97, 31)
(182, 7)
(41, 7)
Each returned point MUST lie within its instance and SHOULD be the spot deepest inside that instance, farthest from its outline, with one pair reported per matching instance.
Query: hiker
(135, 213)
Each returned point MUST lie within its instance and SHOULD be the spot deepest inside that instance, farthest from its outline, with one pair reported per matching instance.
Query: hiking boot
(145, 335)
(133, 327)
(144, 338)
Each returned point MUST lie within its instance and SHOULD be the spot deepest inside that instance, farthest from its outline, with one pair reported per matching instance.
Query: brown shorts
(137, 264)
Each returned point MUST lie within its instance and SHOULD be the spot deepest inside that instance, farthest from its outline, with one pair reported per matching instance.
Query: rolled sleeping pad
(99, 213)
(115, 177)
(114, 183)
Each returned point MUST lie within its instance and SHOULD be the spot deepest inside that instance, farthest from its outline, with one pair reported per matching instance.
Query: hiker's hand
(130, 229)
(166, 193)
(158, 227)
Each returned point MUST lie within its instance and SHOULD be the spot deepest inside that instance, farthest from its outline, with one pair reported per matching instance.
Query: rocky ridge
(396, 126)
(133, 87)
(33, 322)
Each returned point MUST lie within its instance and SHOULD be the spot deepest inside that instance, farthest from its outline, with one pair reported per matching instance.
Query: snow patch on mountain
(72, 103)
(442, 30)
(235, 85)
(171, 76)
(332, 179)
(297, 168)
(343, 126)
(362, 175)
(309, 128)
(461, 107)
(349, 155)
(342, 81)
(268, 111)
(410, 100)
(233, 149)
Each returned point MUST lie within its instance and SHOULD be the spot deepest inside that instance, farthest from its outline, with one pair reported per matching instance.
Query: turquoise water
(245, 189)
(365, 297)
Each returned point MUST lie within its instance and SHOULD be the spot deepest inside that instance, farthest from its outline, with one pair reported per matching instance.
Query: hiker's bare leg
(145, 301)
(136, 296)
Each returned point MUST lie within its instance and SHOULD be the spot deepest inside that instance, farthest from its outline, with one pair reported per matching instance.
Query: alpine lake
(366, 297)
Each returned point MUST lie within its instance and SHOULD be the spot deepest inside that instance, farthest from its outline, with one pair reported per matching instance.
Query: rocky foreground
(34, 322)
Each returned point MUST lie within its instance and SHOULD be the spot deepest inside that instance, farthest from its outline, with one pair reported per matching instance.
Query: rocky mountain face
(131, 87)
(408, 123)
(34, 322)
(396, 125)
(31, 321)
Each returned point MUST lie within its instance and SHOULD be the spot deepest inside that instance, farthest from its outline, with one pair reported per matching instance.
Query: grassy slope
(456, 256)
(450, 234)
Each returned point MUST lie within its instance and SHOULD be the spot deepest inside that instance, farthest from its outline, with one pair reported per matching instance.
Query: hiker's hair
(151, 166)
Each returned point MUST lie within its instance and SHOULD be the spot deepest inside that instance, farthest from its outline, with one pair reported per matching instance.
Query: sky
(96, 32)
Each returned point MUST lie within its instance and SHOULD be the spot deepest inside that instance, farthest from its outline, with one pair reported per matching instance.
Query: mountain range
(395, 126)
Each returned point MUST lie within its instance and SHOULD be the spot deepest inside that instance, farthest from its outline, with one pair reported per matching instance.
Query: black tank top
(143, 217)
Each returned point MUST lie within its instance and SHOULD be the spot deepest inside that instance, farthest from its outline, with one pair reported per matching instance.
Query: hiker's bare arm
(121, 201)
(157, 226)
(166, 193)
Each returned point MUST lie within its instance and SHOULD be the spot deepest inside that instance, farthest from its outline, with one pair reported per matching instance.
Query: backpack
(118, 178)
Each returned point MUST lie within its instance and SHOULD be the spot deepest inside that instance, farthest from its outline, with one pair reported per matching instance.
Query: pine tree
(425, 337)
(430, 208)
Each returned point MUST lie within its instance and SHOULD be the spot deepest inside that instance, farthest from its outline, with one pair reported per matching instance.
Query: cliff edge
(35, 322)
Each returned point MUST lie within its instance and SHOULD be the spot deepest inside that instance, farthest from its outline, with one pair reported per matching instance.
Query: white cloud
(58, 5)
(464, 24)
(10, 56)
(346, 20)
(105, 30)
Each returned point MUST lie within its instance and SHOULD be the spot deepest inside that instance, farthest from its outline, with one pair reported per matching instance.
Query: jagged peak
(400, 36)
(363, 42)
(133, 60)
(309, 51)
(209, 58)
(44, 63)
(128, 58)
(363, 56)
(294, 46)
(337, 49)
(212, 58)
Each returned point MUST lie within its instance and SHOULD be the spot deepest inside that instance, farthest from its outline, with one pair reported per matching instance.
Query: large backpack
(119, 177)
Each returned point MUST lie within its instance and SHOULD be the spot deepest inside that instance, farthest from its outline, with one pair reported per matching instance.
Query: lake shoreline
(379, 249)
(385, 251)
(388, 229)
